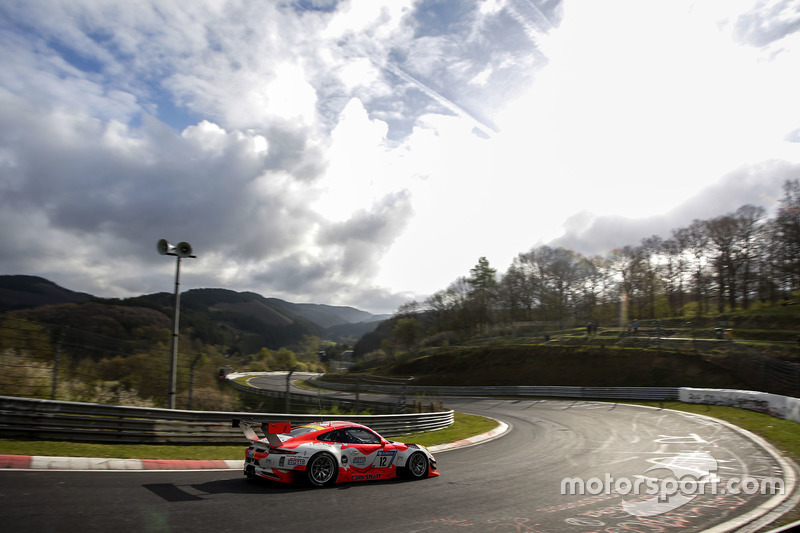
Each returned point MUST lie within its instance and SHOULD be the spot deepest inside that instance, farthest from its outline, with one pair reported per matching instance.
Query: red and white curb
(40, 462)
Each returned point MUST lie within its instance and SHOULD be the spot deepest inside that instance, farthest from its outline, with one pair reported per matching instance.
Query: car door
(379, 453)
(359, 447)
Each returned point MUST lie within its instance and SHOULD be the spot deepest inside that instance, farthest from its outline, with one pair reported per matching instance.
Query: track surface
(507, 485)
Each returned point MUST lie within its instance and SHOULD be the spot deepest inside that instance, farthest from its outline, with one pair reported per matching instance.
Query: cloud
(760, 185)
(768, 22)
(92, 176)
(326, 151)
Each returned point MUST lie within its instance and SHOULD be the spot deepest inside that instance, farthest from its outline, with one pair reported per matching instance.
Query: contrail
(449, 104)
(539, 12)
(530, 18)
(445, 102)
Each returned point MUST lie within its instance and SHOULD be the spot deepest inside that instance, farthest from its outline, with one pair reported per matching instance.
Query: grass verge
(465, 426)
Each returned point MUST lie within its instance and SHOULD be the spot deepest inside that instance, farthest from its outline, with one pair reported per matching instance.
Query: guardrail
(90, 422)
(604, 393)
(390, 406)
(779, 406)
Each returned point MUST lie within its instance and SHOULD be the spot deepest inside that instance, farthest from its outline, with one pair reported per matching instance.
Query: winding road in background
(510, 484)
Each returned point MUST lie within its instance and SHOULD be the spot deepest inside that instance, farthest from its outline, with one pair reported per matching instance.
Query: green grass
(465, 426)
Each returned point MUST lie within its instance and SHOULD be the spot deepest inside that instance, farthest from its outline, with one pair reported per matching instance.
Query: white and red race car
(324, 453)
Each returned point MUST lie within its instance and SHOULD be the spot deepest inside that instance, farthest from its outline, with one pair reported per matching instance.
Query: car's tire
(250, 474)
(322, 470)
(417, 466)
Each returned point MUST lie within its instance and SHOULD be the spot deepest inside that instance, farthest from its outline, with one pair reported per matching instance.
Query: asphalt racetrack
(511, 484)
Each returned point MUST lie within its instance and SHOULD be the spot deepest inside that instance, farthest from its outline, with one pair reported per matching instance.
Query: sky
(367, 153)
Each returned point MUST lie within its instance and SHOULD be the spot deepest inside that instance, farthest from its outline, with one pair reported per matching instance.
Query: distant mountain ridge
(328, 315)
(22, 292)
(214, 313)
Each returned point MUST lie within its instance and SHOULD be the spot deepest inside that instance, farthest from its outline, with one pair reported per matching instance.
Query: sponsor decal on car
(296, 461)
(359, 461)
(364, 477)
(385, 459)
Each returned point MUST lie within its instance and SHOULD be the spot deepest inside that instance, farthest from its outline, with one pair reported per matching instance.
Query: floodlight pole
(181, 250)
(173, 364)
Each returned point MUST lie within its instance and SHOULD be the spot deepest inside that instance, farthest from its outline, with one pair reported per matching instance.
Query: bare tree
(650, 264)
(751, 231)
(723, 236)
(518, 291)
(787, 236)
(697, 243)
(675, 269)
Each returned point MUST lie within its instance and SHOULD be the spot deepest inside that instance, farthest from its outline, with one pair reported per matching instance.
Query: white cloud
(365, 151)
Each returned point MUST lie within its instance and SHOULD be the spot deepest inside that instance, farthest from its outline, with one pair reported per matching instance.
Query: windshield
(303, 430)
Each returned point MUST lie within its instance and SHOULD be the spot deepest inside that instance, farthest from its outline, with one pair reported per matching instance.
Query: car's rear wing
(270, 429)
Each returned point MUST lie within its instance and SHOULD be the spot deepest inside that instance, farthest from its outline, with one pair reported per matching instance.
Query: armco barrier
(89, 422)
(773, 404)
(307, 399)
(75, 421)
(611, 393)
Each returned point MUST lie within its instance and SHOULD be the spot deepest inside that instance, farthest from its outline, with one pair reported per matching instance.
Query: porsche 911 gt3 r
(324, 453)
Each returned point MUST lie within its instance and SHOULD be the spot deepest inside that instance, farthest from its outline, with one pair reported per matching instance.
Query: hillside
(56, 343)
(243, 322)
(22, 292)
(565, 365)
(757, 349)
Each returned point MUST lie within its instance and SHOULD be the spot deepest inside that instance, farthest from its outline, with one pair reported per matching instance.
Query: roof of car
(331, 424)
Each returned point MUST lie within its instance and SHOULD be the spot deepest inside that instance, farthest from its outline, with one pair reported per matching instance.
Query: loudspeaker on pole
(164, 247)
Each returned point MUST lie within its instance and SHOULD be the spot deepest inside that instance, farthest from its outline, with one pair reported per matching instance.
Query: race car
(324, 453)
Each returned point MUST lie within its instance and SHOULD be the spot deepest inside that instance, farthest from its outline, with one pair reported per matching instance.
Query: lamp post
(183, 249)
(288, 383)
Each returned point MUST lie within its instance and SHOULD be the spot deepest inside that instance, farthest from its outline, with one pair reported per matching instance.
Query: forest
(729, 262)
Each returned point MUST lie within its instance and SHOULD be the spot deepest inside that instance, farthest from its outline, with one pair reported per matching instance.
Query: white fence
(773, 404)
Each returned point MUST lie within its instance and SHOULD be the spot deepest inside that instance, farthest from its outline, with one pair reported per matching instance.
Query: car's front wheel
(321, 470)
(417, 465)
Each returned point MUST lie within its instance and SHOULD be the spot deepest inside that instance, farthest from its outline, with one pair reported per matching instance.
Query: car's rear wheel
(417, 465)
(321, 470)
